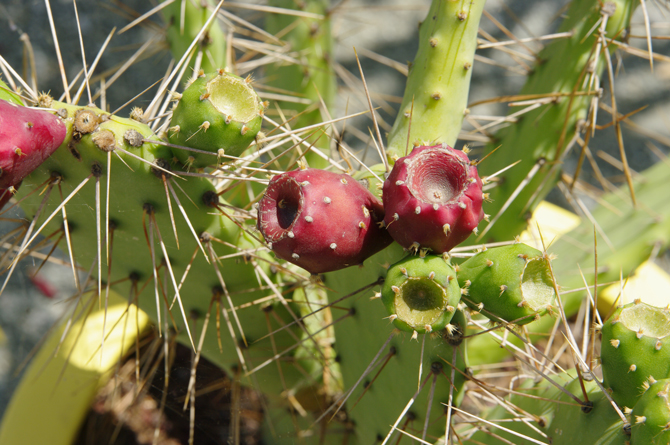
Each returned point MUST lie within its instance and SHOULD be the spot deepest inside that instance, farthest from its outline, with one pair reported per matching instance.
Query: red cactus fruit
(433, 199)
(321, 221)
(27, 138)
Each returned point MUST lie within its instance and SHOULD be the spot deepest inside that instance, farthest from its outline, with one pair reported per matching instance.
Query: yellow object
(650, 284)
(3, 338)
(553, 221)
(56, 391)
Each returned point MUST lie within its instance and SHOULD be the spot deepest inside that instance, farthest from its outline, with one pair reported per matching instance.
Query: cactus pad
(433, 199)
(511, 283)
(218, 111)
(635, 346)
(321, 221)
(421, 294)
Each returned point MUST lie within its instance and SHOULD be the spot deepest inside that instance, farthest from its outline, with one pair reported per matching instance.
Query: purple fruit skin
(27, 138)
(321, 221)
(431, 187)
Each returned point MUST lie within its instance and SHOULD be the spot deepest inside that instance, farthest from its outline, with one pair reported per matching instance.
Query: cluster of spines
(143, 198)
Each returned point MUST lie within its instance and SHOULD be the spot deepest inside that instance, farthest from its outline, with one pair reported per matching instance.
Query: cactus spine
(311, 75)
(563, 82)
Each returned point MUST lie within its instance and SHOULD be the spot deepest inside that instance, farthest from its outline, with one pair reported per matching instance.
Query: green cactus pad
(509, 283)
(137, 196)
(651, 416)
(219, 113)
(436, 94)
(635, 346)
(421, 294)
(595, 423)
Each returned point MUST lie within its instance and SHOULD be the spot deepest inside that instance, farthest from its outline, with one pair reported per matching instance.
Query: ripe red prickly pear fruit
(433, 199)
(27, 138)
(321, 221)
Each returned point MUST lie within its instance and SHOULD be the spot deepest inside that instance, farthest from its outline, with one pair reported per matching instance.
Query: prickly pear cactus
(148, 224)
(27, 138)
(186, 22)
(154, 221)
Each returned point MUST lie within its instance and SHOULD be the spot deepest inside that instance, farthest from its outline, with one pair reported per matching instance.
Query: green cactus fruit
(635, 346)
(510, 283)
(218, 113)
(651, 416)
(421, 293)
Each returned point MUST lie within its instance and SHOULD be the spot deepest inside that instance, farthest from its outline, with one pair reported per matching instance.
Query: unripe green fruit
(511, 283)
(651, 416)
(219, 113)
(421, 294)
(635, 346)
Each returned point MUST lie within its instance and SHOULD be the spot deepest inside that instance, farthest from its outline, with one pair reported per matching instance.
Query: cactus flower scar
(433, 199)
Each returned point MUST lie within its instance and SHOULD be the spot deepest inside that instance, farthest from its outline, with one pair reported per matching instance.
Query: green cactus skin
(195, 15)
(439, 78)
(509, 283)
(534, 138)
(313, 77)
(421, 294)
(635, 347)
(651, 416)
(131, 194)
(7, 94)
(571, 424)
(219, 113)
(361, 336)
